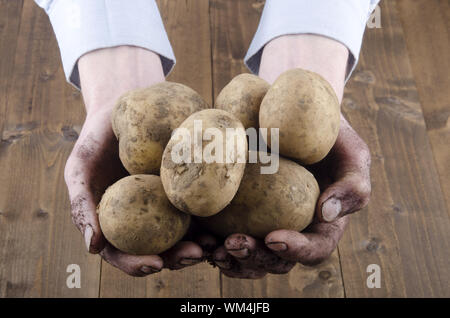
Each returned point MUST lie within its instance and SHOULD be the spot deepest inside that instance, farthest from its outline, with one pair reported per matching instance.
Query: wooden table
(398, 100)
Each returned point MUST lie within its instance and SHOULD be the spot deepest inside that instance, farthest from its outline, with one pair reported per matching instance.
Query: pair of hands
(94, 165)
(343, 176)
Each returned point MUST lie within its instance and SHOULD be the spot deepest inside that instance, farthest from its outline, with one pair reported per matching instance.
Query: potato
(143, 120)
(137, 218)
(306, 110)
(268, 202)
(242, 98)
(201, 187)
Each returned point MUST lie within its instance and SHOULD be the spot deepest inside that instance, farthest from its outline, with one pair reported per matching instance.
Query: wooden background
(398, 100)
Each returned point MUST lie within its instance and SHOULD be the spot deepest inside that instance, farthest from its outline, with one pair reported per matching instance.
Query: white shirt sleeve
(341, 20)
(81, 26)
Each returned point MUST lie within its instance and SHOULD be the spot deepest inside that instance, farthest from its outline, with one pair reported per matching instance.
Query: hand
(344, 179)
(242, 256)
(93, 166)
(94, 163)
(347, 166)
(344, 175)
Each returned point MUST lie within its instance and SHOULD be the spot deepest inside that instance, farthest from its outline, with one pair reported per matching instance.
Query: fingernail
(331, 209)
(222, 264)
(88, 236)
(189, 261)
(149, 270)
(277, 246)
(242, 253)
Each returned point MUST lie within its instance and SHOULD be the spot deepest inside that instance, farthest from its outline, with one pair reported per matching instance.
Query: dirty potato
(268, 202)
(305, 109)
(203, 166)
(137, 218)
(242, 97)
(143, 120)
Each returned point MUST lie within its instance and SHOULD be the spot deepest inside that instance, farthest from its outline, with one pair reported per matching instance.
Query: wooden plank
(405, 228)
(10, 13)
(426, 29)
(187, 24)
(38, 239)
(9, 28)
(320, 281)
(233, 24)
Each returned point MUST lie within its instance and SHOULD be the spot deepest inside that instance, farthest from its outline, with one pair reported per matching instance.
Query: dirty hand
(343, 175)
(344, 179)
(94, 163)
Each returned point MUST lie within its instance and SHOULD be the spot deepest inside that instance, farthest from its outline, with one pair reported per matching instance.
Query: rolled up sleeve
(82, 26)
(344, 21)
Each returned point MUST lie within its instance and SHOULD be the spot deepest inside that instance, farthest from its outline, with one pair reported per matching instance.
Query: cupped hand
(94, 165)
(344, 180)
(242, 256)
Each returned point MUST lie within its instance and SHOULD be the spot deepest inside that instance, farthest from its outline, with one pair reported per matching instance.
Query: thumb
(84, 216)
(310, 247)
(83, 203)
(349, 194)
(351, 190)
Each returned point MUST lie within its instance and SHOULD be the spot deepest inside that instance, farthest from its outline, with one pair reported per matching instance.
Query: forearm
(106, 74)
(315, 53)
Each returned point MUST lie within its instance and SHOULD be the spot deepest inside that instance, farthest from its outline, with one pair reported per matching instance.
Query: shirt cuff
(82, 26)
(344, 21)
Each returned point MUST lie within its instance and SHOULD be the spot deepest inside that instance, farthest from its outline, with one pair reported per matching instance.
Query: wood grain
(38, 241)
(9, 28)
(10, 15)
(426, 30)
(405, 228)
(233, 24)
(187, 24)
(398, 100)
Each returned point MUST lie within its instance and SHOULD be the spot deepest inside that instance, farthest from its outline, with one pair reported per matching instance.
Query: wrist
(315, 53)
(108, 73)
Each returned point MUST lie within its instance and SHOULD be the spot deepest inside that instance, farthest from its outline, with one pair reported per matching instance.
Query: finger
(348, 195)
(183, 254)
(84, 216)
(133, 265)
(253, 254)
(83, 204)
(308, 248)
(222, 259)
(230, 267)
(240, 246)
(351, 190)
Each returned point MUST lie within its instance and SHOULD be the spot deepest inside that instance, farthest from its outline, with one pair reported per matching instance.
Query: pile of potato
(146, 214)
